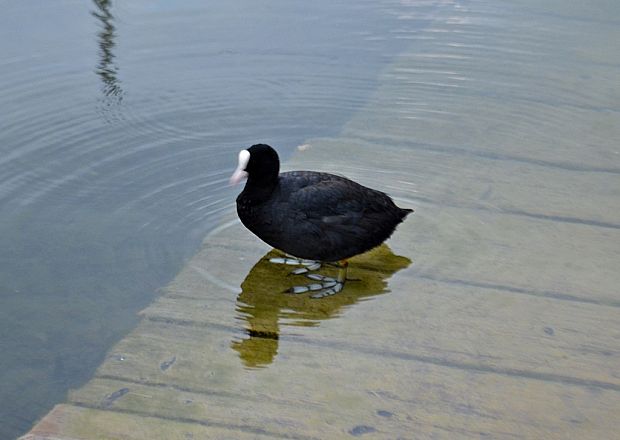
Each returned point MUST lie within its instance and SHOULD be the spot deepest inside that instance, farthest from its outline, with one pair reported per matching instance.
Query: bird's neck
(258, 190)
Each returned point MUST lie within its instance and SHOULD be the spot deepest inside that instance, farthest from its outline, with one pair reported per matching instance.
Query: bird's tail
(404, 212)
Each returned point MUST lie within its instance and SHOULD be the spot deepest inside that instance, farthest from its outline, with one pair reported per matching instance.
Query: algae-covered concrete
(492, 312)
(396, 355)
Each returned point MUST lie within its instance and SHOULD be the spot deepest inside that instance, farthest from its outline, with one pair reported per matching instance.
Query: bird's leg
(306, 265)
(326, 286)
(342, 271)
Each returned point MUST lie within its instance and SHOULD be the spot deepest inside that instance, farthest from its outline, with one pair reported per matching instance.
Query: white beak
(240, 173)
(238, 176)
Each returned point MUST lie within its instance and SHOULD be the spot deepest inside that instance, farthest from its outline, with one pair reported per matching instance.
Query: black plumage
(312, 215)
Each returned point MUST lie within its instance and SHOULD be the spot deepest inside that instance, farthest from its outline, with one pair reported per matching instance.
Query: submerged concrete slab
(493, 310)
(395, 355)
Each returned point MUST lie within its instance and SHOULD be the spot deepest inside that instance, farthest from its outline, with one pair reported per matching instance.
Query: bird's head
(259, 164)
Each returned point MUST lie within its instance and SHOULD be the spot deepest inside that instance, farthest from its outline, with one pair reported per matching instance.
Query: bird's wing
(334, 199)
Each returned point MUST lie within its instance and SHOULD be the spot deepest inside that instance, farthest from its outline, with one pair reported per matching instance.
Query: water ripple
(121, 123)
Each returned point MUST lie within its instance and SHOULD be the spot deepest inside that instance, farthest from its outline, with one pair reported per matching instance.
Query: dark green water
(120, 123)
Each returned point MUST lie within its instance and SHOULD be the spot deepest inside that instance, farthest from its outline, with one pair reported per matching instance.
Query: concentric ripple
(121, 122)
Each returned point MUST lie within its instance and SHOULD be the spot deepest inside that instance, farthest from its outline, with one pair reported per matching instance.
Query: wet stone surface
(493, 310)
(109, 400)
(360, 430)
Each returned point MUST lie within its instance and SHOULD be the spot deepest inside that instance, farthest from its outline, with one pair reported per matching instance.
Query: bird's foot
(306, 265)
(326, 286)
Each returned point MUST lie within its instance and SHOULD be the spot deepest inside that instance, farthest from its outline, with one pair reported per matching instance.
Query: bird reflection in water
(264, 307)
(107, 70)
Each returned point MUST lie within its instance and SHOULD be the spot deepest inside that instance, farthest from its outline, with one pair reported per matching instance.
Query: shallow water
(120, 124)
(497, 121)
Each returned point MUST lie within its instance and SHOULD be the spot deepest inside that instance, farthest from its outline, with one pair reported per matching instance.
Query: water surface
(496, 120)
(120, 123)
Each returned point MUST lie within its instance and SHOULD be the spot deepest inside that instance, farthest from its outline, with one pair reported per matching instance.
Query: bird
(314, 217)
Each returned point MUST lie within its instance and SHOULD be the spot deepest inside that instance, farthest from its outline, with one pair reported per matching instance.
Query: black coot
(308, 214)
